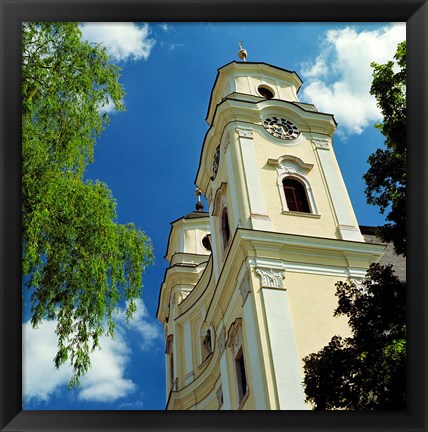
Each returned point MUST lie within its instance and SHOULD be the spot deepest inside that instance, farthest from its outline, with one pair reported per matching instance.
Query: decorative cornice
(245, 133)
(311, 242)
(324, 145)
(270, 278)
(290, 163)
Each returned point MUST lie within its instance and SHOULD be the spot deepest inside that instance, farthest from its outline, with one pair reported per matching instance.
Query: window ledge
(308, 215)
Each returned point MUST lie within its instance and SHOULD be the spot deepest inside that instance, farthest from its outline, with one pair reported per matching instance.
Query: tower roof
(246, 66)
(196, 215)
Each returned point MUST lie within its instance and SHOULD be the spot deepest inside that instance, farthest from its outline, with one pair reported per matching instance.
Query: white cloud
(148, 330)
(39, 377)
(106, 381)
(123, 41)
(165, 27)
(339, 80)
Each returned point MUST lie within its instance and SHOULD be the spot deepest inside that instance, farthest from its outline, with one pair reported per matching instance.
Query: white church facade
(250, 288)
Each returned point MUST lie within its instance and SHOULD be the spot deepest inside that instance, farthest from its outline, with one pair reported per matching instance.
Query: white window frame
(235, 341)
(220, 203)
(294, 168)
(202, 334)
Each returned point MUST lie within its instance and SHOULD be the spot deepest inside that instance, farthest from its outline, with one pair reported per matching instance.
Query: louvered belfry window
(295, 195)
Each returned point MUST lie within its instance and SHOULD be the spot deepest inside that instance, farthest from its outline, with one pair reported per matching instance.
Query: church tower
(250, 289)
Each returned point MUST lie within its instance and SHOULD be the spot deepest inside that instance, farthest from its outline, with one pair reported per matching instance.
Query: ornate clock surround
(281, 128)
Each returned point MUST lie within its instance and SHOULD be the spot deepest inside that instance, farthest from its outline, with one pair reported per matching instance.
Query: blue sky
(149, 155)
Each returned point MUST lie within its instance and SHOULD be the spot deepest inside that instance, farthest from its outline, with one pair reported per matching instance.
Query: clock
(281, 128)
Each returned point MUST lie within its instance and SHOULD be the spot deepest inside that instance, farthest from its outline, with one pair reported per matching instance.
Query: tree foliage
(367, 370)
(78, 260)
(386, 177)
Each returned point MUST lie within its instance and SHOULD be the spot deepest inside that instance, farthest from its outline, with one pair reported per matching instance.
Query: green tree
(78, 261)
(386, 177)
(366, 371)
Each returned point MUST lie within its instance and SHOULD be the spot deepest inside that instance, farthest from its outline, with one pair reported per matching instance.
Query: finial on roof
(242, 53)
(199, 205)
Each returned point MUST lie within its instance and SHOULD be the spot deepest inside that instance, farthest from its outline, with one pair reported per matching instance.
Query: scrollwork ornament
(245, 133)
(216, 162)
(270, 277)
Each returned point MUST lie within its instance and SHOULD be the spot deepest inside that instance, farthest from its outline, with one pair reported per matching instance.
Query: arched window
(241, 376)
(222, 223)
(207, 348)
(234, 340)
(295, 195)
(225, 228)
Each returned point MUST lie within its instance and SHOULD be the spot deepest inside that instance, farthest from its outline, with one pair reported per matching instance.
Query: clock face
(281, 128)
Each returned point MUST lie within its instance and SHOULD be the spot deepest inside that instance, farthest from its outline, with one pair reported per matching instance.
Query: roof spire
(242, 53)
(199, 205)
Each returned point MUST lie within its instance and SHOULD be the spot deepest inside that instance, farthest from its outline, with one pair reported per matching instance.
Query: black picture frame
(13, 12)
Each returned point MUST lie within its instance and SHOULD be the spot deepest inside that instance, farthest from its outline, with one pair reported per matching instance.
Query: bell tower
(241, 312)
(268, 158)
